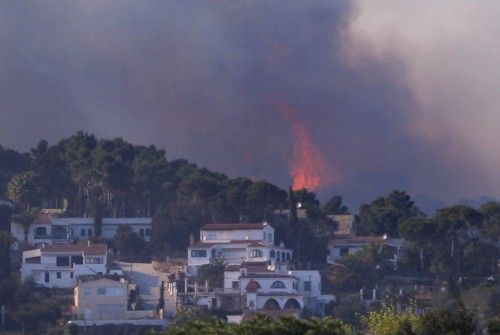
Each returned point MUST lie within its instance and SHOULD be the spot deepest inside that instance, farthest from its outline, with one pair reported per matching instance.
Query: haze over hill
(383, 97)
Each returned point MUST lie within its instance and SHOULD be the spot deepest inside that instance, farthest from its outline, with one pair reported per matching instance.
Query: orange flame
(308, 166)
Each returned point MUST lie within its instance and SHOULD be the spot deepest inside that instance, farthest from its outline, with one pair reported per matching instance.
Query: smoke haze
(391, 95)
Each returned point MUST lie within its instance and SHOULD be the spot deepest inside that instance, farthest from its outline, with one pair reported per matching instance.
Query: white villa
(264, 287)
(60, 265)
(237, 243)
(47, 229)
(256, 277)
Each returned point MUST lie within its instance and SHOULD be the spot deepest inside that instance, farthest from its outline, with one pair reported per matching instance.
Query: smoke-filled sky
(390, 94)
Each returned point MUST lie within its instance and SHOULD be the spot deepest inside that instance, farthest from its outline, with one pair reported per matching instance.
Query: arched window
(278, 284)
(272, 254)
(278, 255)
(256, 253)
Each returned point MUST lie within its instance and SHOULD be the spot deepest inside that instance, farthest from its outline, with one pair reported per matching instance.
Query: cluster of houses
(258, 272)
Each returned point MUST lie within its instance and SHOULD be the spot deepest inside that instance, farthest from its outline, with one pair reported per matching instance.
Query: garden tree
(490, 227)
(383, 215)
(389, 321)
(26, 219)
(446, 322)
(263, 198)
(78, 151)
(262, 324)
(483, 301)
(198, 189)
(418, 232)
(112, 173)
(128, 243)
(152, 181)
(51, 174)
(235, 193)
(480, 259)
(455, 228)
(334, 206)
(11, 163)
(213, 273)
(5, 243)
(172, 227)
(23, 191)
(31, 314)
(363, 269)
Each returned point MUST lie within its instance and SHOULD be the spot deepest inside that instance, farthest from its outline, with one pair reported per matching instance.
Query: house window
(278, 256)
(62, 260)
(71, 275)
(82, 232)
(58, 274)
(87, 290)
(307, 286)
(76, 260)
(235, 284)
(288, 256)
(270, 238)
(40, 232)
(101, 291)
(265, 237)
(93, 260)
(89, 232)
(141, 232)
(295, 286)
(148, 232)
(256, 253)
(272, 254)
(198, 253)
(343, 251)
(278, 284)
(47, 277)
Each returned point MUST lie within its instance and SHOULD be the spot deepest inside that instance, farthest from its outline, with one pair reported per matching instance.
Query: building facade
(101, 299)
(60, 265)
(47, 229)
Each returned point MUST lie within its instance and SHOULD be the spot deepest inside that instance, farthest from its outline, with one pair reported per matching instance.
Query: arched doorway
(292, 303)
(271, 304)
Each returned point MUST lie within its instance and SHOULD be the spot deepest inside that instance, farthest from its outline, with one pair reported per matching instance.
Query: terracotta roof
(233, 226)
(252, 286)
(230, 268)
(358, 240)
(92, 249)
(42, 219)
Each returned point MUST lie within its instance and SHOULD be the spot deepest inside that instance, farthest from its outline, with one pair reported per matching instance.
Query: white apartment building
(47, 229)
(60, 265)
(266, 288)
(236, 243)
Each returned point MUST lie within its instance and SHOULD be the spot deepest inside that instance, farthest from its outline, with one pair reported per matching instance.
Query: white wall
(247, 234)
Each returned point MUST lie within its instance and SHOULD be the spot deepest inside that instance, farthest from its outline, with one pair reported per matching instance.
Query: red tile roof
(92, 249)
(233, 226)
(252, 286)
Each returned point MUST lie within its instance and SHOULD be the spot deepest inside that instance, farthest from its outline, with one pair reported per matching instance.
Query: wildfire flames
(308, 166)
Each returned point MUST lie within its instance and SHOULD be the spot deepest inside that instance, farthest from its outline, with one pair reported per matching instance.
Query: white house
(236, 243)
(59, 265)
(48, 229)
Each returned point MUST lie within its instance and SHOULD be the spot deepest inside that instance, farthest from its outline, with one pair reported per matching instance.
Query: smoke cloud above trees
(389, 103)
